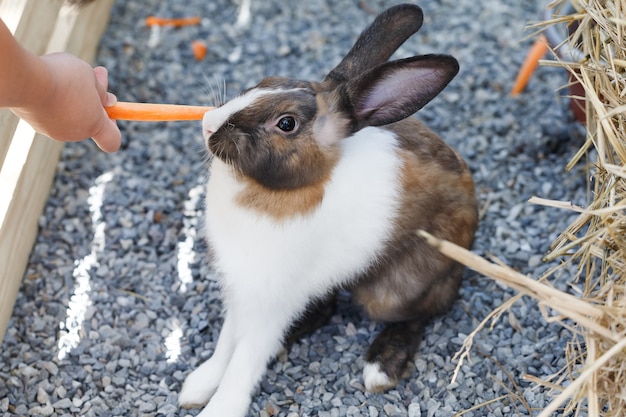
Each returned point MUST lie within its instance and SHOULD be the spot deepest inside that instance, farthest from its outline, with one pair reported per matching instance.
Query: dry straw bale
(594, 381)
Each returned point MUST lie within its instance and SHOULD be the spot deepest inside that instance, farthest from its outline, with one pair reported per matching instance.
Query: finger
(102, 75)
(102, 84)
(110, 138)
(110, 100)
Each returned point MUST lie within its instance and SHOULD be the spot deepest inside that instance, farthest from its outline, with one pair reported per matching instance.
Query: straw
(593, 382)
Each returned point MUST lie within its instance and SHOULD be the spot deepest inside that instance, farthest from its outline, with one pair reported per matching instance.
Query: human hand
(72, 109)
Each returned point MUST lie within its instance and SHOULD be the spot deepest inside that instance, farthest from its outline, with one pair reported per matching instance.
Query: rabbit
(317, 187)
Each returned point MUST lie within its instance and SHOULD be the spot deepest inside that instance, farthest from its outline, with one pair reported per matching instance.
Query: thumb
(109, 138)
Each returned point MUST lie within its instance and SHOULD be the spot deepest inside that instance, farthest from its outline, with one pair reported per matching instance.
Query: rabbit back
(412, 279)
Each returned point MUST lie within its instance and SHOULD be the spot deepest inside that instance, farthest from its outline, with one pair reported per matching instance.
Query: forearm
(24, 77)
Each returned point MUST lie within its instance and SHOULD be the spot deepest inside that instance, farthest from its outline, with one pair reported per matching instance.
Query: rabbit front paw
(224, 404)
(197, 389)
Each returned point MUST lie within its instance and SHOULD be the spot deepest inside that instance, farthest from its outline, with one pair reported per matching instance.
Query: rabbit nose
(210, 125)
(209, 128)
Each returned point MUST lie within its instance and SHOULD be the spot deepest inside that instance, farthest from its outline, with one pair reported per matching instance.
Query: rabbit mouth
(225, 147)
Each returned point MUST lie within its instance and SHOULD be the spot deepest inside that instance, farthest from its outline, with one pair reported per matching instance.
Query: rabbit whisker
(215, 92)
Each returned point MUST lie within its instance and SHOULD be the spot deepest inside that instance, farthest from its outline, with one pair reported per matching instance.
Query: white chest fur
(308, 255)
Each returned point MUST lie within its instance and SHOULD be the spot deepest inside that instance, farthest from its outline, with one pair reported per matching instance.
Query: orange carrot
(199, 49)
(176, 22)
(145, 112)
(536, 52)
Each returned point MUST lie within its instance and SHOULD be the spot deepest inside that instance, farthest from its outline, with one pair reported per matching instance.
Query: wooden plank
(88, 30)
(24, 187)
(31, 160)
(36, 23)
(8, 123)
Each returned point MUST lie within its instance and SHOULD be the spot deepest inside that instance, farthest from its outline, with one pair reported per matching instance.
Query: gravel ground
(118, 304)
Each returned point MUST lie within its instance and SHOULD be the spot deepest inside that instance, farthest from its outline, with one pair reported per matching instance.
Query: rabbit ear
(379, 41)
(395, 90)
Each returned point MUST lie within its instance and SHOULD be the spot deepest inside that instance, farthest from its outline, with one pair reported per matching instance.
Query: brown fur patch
(412, 280)
(282, 204)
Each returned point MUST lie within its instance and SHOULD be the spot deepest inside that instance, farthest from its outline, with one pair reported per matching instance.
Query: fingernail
(111, 99)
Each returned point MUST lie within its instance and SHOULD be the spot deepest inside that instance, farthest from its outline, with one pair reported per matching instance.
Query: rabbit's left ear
(378, 42)
(395, 90)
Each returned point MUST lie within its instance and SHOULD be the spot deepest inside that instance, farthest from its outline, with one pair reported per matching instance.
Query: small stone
(123, 301)
(355, 383)
(534, 261)
(141, 322)
(111, 367)
(415, 410)
(421, 365)
(20, 410)
(147, 369)
(42, 396)
(353, 411)
(390, 409)
(146, 407)
(29, 371)
(51, 368)
(432, 406)
(45, 410)
(126, 243)
(284, 50)
(4, 404)
(63, 403)
(61, 392)
(86, 408)
(351, 329)
(118, 380)
(106, 381)
(235, 55)
(271, 409)
(167, 409)
(124, 363)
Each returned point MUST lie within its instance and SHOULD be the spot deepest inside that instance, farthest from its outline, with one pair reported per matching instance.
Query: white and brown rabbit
(321, 186)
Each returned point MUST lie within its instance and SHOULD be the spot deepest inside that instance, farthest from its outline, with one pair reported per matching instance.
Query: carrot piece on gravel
(536, 52)
(176, 22)
(199, 49)
(148, 112)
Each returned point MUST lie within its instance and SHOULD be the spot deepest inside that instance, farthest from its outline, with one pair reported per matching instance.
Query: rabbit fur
(320, 186)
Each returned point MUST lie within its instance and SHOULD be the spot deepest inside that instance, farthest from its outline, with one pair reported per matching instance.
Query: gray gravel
(118, 304)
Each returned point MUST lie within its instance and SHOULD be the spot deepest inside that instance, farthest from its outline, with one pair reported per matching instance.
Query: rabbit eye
(286, 124)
